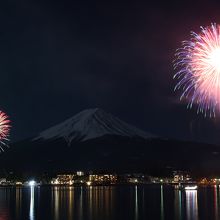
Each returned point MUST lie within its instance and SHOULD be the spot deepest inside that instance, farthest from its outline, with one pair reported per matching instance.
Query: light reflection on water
(18, 198)
(216, 202)
(178, 204)
(31, 212)
(109, 203)
(161, 203)
(136, 203)
(81, 203)
(191, 205)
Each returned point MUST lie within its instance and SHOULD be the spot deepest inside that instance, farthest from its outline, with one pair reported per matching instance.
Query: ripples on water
(109, 203)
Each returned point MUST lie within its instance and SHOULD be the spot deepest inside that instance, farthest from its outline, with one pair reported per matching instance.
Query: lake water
(109, 203)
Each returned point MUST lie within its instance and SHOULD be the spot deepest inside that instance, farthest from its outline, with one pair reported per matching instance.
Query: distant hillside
(96, 140)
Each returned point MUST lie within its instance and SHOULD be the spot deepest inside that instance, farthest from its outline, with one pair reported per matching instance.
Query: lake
(109, 202)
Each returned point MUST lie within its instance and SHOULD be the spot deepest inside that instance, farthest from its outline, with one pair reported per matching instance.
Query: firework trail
(197, 65)
(4, 130)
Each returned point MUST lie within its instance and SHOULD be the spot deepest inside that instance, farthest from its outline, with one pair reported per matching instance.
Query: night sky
(61, 57)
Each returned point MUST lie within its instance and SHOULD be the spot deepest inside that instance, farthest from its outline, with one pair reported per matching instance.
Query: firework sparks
(198, 70)
(4, 130)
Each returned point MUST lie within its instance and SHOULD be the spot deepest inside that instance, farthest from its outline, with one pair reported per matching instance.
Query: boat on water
(193, 187)
(186, 187)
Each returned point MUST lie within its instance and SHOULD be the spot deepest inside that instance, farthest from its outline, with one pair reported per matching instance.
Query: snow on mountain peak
(90, 124)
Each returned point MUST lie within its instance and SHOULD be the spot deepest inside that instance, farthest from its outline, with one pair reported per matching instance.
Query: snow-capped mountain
(91, 124)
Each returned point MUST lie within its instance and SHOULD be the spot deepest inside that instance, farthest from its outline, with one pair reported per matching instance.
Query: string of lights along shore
(197, 66)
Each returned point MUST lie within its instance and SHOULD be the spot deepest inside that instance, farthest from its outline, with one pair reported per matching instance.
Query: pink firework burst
(4, 130)
(198, 70)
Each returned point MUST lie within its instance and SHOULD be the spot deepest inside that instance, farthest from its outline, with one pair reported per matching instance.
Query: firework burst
(4, 130)
(197, 66)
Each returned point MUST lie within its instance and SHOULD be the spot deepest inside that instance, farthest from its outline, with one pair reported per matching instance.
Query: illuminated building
(181, 177)
(215, 181)
(137, 178)
(64, 179)
(18, 183)
(103, 179)
(204, 181)
(3, 181)
(133, 180)
(88, 183)
(80, 173)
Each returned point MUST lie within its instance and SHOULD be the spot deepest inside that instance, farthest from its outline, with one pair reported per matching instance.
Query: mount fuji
(90, 124)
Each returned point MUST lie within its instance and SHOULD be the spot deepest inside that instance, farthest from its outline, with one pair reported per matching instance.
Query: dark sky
(60, 57)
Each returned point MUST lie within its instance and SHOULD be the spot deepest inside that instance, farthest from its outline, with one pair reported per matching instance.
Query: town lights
(88, 183)
(31, 183)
